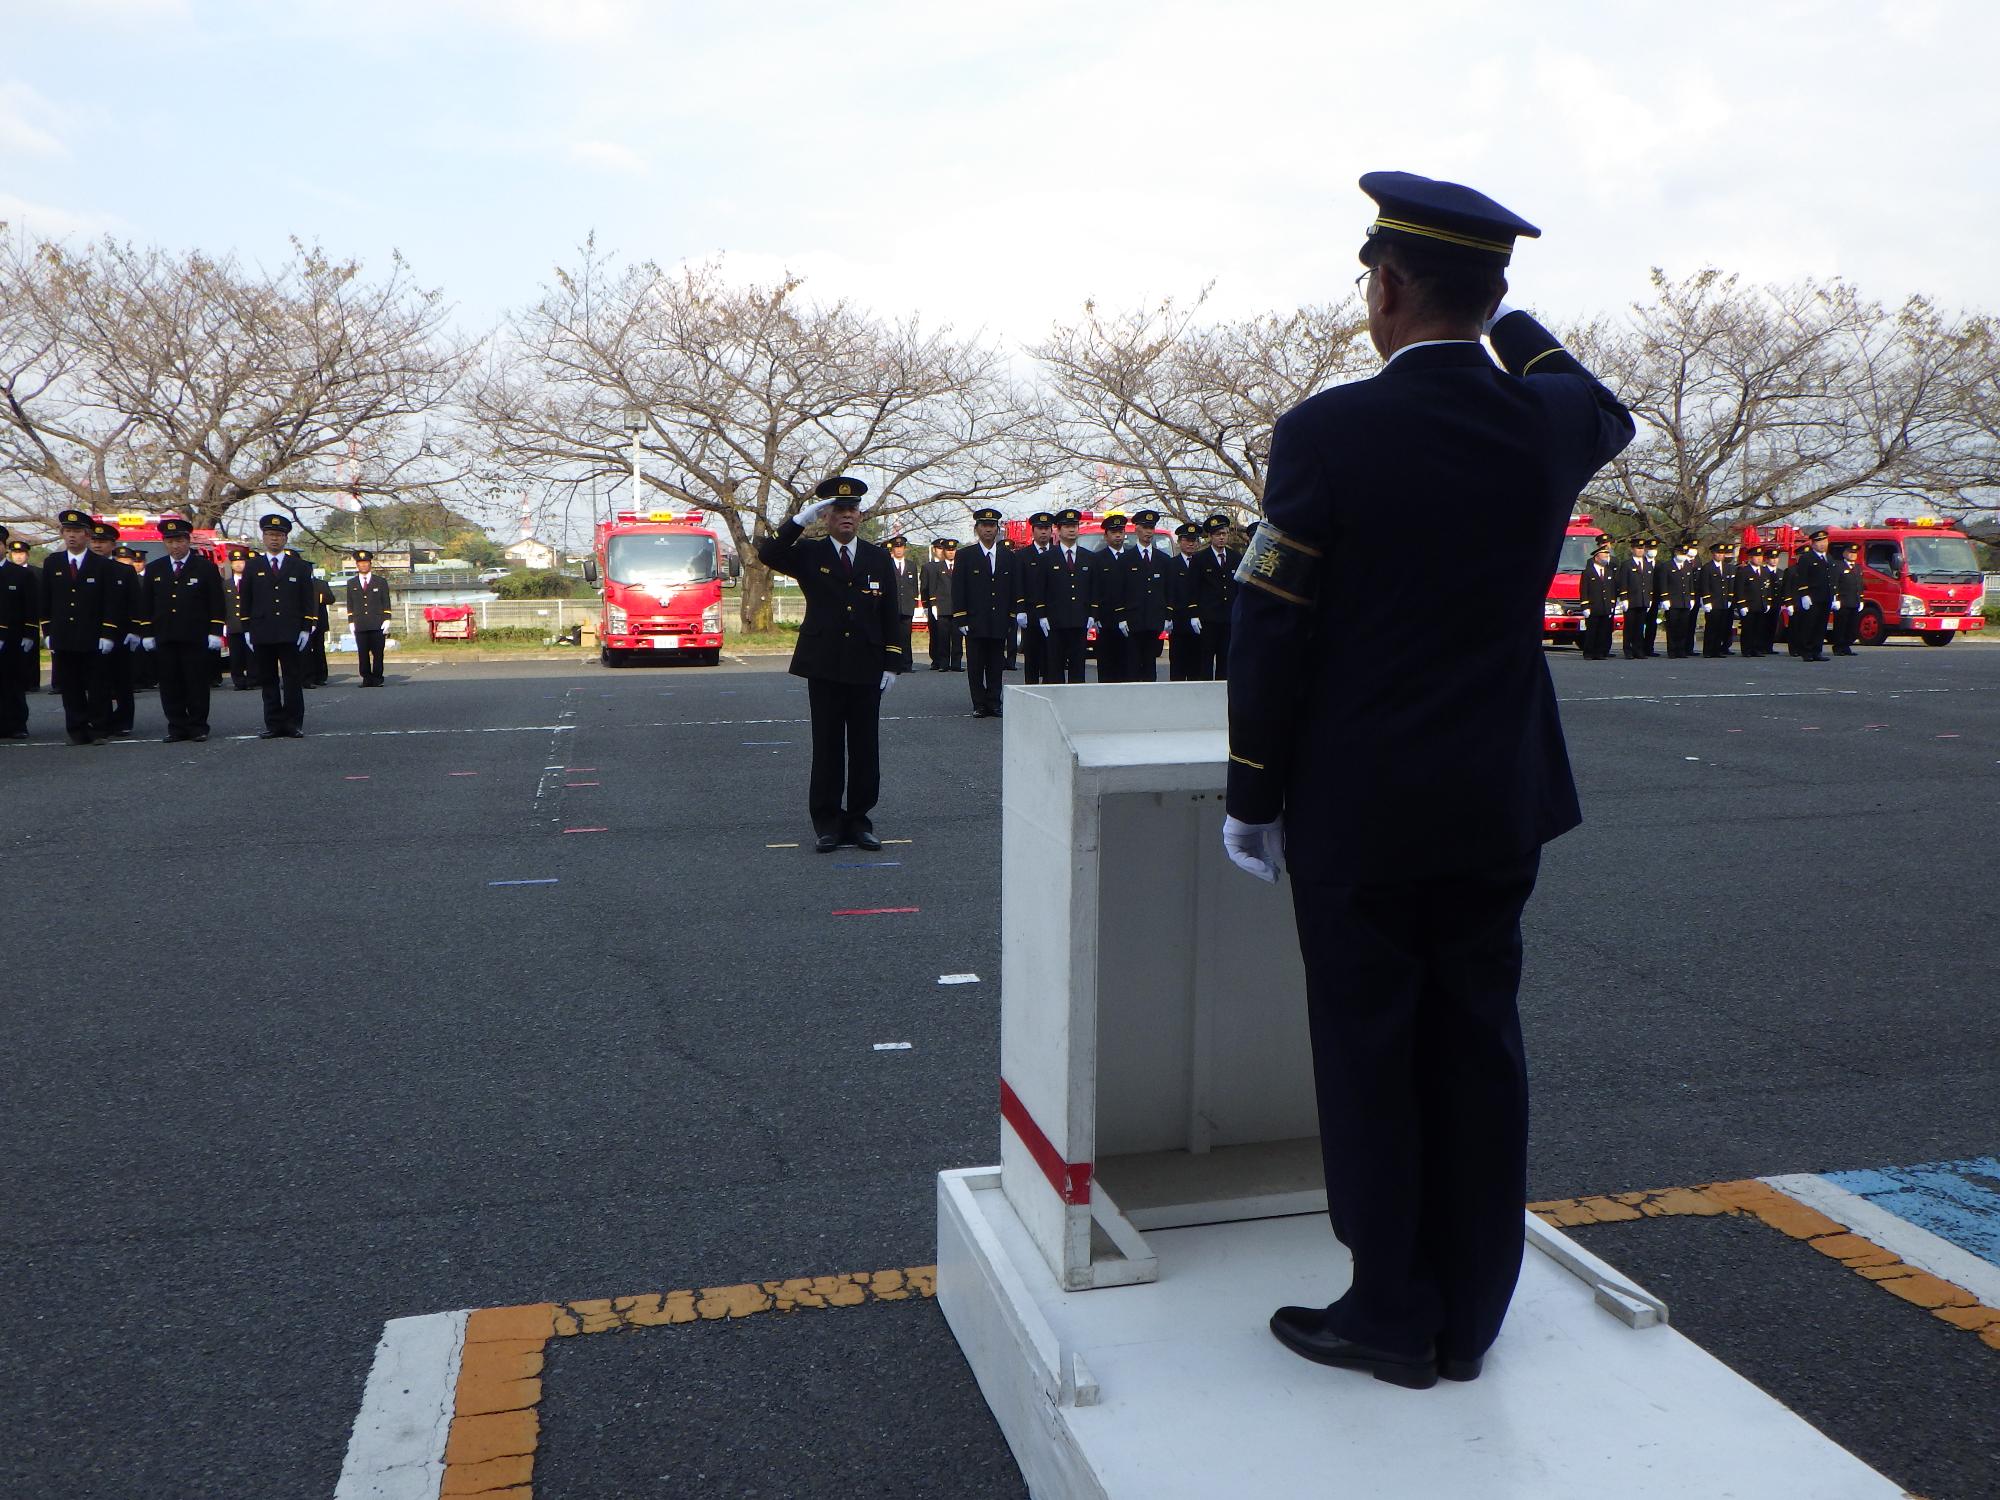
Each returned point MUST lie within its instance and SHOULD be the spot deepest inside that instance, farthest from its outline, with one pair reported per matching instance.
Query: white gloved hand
(1089, 623)
(1170, 627)
(1499, 312)
(215, 643)
(1021, 621)
(966, 631)
(1123, 628)
(1741, 612)
(1257, 848)
(813, 512)
(1706, 608)
(1045, 627)
(888, 681)
(27, 643)
(51, 640)
(1805, 601)
(304, 636)
(149, 643)
(1834, 604)
(1195, 625)
(104, 647)
(131, 642)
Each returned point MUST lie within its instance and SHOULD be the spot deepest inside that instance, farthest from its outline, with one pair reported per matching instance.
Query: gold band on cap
(1498, 247)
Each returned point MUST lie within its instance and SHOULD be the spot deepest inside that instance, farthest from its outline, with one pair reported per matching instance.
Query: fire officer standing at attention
(847, 653)
(368, 616)
(180, 615)
(1412, 772)
(281, 604)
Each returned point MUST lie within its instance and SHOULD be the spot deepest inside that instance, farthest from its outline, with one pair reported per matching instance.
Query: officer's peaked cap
(1444, 219)
(1146, 518)
(174, 526)
(842, 489)
(1042, 518)
(275, 522)
(986, 513)
(364, 555)
(73, 518)
(1069, 518)
(103, 531)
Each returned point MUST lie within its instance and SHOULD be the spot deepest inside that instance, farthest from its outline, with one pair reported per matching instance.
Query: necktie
(1069, 558)
(846, 563)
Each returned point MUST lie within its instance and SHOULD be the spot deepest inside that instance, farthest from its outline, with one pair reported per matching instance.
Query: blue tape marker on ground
(1955, 1200)
(551, 881)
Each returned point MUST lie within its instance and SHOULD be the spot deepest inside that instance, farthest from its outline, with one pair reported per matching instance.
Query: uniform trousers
(1680, 631)
(86, 692)
(20, 675)
(1212, 665)
(985, 660)
(1809, 631)
(1183, 653)
(938, 629)
(118, 670)
(1012, 663)
(1595, 637)
(1142, 657)
(1716, 628)
(847, 754)
(905, 633)
(281, 673)
(242, 662)
(186, 669)
(1633, 640)
(1111, 654)
(954, 649)
(1846, 625)
(1067, 647)
(1653, 626)
(368, 653)
(1411, 995)
(1034, 655)
(317, 671)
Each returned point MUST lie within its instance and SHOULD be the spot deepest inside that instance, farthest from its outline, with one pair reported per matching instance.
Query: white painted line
(1911, 1243)
(892, 1046)
(958, 979)
(396, 1451)
(369, 734)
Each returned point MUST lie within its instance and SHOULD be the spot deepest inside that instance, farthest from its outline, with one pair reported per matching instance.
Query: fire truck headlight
(711, 619)
(1912, 605)
(614, 620)
(1551, 608)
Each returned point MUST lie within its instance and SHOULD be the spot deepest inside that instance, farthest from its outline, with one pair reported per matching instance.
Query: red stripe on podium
(1071, 1180)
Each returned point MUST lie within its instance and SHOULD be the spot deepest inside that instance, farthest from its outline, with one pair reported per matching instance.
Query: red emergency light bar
(656, 518)
(1911, 523)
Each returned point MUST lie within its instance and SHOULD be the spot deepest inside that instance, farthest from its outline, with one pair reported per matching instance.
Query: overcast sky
(992, 166)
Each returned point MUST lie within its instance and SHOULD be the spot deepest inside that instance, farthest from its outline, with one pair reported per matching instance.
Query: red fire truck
(142, 534)
(662, 577)
(1562, 611)
(1919, 576)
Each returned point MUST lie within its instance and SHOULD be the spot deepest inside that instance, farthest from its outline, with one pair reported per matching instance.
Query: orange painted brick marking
(490, 1451)
(1784, 1213)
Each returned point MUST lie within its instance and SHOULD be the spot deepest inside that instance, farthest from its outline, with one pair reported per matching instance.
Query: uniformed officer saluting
(180, 621)
(81, 623)
(1413, 772)
(281, 604)
(847, 653)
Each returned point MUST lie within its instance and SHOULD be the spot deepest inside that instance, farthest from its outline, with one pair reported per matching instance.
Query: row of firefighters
(1814, 596)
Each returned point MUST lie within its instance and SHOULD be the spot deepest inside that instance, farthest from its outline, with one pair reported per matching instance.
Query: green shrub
(540, 583)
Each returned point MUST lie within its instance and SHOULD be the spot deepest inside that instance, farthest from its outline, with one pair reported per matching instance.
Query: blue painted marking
(1955, 1200)
(878, 864)
(521, 882)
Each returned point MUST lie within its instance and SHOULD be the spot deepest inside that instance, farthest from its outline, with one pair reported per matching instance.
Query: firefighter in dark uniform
(1635, 596)
(1753, 599)
(1597, 589)
(906, 593)
(1412, 771)
(1183, 645)
(848, 652)
(123, 584)
(934, 596)
(1214, 599)
(242, 658)
(1031, 560)
(180, 624)
(282, 605)
(1062, 608)
(1846, 599)
(1676, 586)
(986, 595)
(1715, 596)
(145, 671)
(20, 637)
(1010, 657)
(1774, 595)
(1107, 600)
(368, 606)
(317, 672)
(952, 638)
(1144, 596)
(1812, 599)
(82, 627)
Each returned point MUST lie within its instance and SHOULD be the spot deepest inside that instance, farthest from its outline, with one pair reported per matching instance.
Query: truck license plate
(665, 642)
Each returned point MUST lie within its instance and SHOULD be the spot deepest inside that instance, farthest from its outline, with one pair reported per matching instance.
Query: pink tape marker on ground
(586, 830)
(354, 778)
(461, 773)
(874, 911)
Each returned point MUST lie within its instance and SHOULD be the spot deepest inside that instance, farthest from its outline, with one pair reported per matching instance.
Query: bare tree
(134, 378)
(748, 396)
(1755, 404)
(1177, 413)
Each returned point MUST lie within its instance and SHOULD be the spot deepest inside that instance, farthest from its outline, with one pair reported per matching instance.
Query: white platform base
(1177, 1389)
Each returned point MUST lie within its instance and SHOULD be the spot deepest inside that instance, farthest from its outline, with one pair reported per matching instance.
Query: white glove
(1196, 625)
(1706, 608)
(1805, 601)
(51, 641)
(1021, 621)
(1619, 611)
(1089, 623)
(104, 647)
(131, 643)
(150, 643)
(1123, 628)
(888, 681)
(1741, 612)
(1170, 627)
(966, 631)
(1498, 313)
(215, 643)
(27, 643)
(304, 636)
(1833, 604)
(1045, 627)
(1258, 848)
(813, 512)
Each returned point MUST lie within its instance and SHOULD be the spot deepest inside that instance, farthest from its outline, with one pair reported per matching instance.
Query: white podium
(1159, 1153)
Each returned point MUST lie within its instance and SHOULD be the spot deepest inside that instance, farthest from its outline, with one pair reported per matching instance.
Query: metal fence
(555, 616)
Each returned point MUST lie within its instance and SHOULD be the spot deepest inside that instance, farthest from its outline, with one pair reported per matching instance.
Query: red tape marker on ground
(874, 911)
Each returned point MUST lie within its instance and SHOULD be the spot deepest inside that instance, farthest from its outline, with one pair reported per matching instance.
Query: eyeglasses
(1361, 283)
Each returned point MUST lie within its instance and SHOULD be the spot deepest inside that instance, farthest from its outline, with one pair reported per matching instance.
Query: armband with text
(1280, 565)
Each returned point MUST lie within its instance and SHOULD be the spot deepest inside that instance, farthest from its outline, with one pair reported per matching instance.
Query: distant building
(401, 552)
(531, 552)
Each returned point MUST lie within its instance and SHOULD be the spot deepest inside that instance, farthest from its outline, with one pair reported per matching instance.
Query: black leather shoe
(199, 738)
(295, 734)
(827, 844)
(1456, 1367)
(270, 734)
(869, 842)
(1303, 1330)
(175, 739)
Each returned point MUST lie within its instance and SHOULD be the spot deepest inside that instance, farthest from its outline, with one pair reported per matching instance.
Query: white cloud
(22, 133)
(51, 221)
(608, 156)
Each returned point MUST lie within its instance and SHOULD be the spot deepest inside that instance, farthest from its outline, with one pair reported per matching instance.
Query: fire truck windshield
(1941, 559)
(1575, 553)
(147, 548)
(657, 562)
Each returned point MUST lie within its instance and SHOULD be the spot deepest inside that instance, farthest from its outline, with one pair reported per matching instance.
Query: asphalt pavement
(281, 1060)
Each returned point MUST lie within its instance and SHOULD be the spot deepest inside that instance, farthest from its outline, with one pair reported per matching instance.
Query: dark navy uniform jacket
(852, 631)
(1397, 742)
(985, 596)
(185, 606)
(280, 599)
(20, 604)
(81, 608)
(368, 601)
